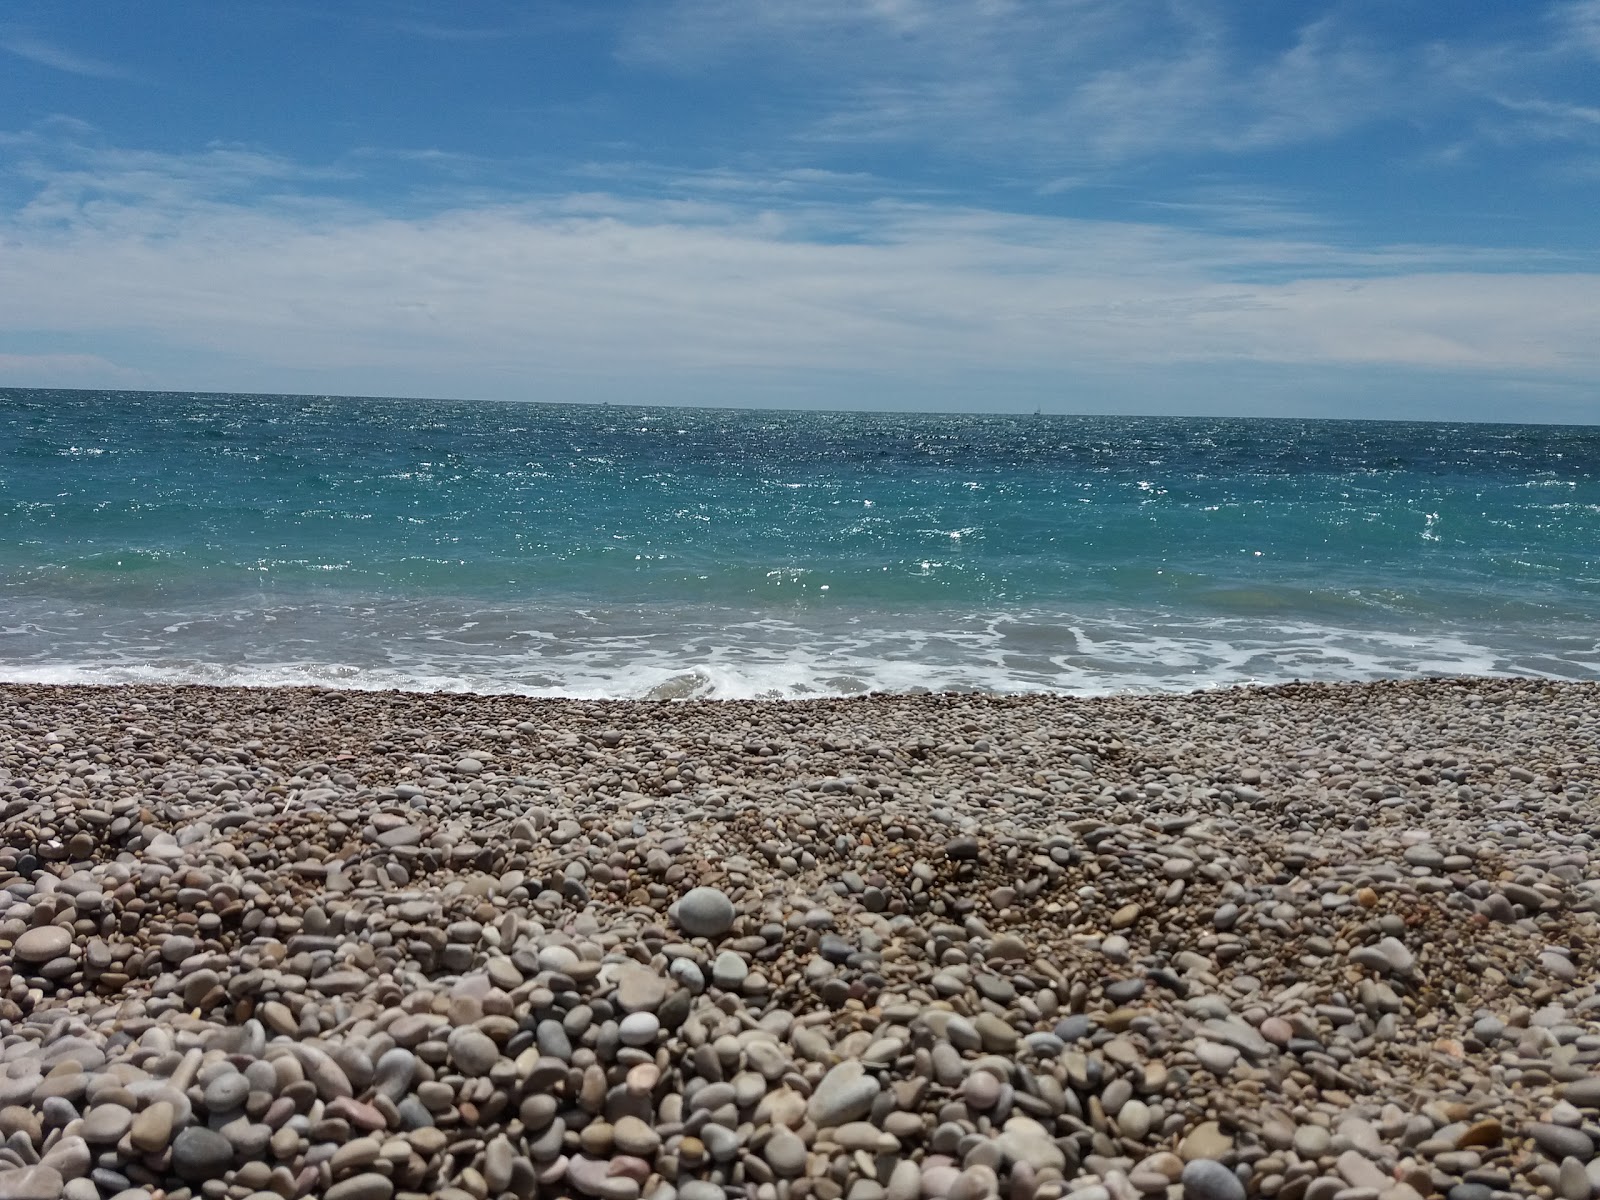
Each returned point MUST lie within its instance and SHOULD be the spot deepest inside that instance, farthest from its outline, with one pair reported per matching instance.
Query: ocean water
(638, 552)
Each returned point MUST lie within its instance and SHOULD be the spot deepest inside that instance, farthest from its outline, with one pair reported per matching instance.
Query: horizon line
(6, 389)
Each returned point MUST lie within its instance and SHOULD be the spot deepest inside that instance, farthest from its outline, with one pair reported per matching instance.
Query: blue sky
(1363, 209)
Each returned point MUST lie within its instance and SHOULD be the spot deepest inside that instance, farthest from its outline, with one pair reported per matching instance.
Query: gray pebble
(705, 912)
(1207, 1179)
(199, 1154)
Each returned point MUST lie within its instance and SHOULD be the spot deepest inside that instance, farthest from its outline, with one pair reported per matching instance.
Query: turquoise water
(620, 551)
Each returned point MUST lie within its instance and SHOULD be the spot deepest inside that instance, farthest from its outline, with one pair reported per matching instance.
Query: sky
(1371, 209)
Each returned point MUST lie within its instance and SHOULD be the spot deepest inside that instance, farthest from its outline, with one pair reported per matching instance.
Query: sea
(676, 553)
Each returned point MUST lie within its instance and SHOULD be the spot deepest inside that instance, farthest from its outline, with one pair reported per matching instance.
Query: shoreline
(1308, 941)
(1247, 687)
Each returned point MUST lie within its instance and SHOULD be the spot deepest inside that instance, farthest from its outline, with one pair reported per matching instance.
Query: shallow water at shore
(553, 550)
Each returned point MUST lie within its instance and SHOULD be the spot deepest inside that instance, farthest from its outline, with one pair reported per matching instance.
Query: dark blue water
(631, 551)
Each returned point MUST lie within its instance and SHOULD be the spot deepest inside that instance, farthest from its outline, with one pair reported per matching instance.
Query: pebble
(705, 912)
(1206, 1179)
(1023, 1139)
(106, 1123)
(473, 1051)
(728, 971)
(1205, 1140)
(199, 1154)
(845, 1093)
(639, 1028)
(634, 1136)
(1559, 1141)
(981, 1091)
(40, 945)
(369, 947)
(152, 1128)
(1133, 1120)
(785, 1153)
(1583, 1093)
(1217, 1059)
(640, 990)
(1572, 1182)
(369, 1185)
(1311, 1142)
(31, 1183)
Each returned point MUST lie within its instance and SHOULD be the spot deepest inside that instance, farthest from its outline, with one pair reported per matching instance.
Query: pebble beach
(1310, 942)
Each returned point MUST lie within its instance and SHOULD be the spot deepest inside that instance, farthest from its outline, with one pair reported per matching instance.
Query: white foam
(654, 656)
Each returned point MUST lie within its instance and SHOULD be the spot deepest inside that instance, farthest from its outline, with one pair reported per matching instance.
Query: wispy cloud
(1059, 81)
(1578, 26)
(58, 58)
(72, 183)
(1553, 119)
(1236, 208)
(1062, 89)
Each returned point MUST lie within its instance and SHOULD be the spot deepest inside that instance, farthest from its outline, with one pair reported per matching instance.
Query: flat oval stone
(844, 1094)
(40, 945)
(592, 1177)
(367, 1186)
(1133, 1120)
(106, 1123)
(1558, 1141)
(32, 1183)
(998, 1036)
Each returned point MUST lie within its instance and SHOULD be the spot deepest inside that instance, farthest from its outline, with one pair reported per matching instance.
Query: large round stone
(199, 1154)
(639, 1028)
(474, 1052)
(42, 944)
(705, 912)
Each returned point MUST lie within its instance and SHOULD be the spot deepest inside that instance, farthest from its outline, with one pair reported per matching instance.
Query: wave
(1007, 653)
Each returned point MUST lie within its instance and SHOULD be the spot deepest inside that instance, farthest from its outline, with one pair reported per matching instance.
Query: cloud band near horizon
(150, 252)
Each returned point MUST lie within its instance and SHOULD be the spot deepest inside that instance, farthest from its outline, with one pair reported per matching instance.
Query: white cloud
(161, 255)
